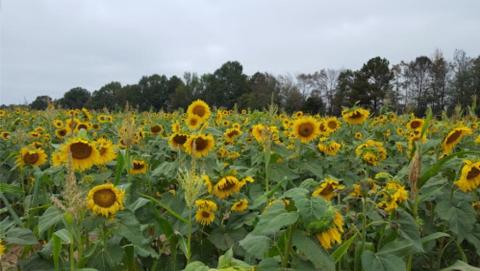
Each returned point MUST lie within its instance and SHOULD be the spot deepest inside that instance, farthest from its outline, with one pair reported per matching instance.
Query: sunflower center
(473, 173)
(332, 125)
(199, 110)
(305, 129)
(62, 132)
(138, 165)
(82, 126)
(102, 150)
(227, 185)
(327, 190)
(415, 124)
(232, 133)
(81, 150)
(205, 214)
(104, 198)
(31, 158)
(454, 136)
(356, 115)
(201, 144)
(179, 139)
(193, 121)
(155, 129)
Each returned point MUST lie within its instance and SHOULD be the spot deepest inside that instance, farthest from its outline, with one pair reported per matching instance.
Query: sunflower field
(214, 189)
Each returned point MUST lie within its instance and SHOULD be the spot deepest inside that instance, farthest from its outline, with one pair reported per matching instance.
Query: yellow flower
(240, 206)
(2, 248)
(31, 157)
(58, 123)
(226, 186)
(261, 133)
(371, 152)
(231, 134)
(454, 137)
(206, 204)
(200, 109)
(106, 151)
(306, 129)
(61, 133)
(328, 189)
(331, 148)
(138, 167)
(469, 176)
(176, 141)
(193, 122)
(5, 135)
(332, 234)
(199, 145)
(208, 183)
(415, 124)
(204, 216)
(358, 135)
(355, 116)
(332, 124)
(105, 199)
(83, 152)
(156, 129)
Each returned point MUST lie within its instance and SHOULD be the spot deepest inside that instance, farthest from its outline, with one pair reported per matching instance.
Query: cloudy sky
(51, 46)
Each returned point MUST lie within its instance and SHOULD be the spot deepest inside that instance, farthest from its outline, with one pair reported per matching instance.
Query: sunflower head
(83, 152)
(200, 109)
(138, 167)
(306, 129)
(106, 151)
(199, 145)
(193, 122)
(58, 123)
(226, 186)
(355, 116)
(204, 216)
(331, 232)
(454, 137)
(105, 199)
(177, 140)
(469, 176)
(239, 206)
(31, 156)
(156, 129)
(415, 124)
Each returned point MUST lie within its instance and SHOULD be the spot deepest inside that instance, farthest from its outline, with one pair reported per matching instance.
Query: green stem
(462, 253)
(189, 240)
(288, 244)
(72, 260)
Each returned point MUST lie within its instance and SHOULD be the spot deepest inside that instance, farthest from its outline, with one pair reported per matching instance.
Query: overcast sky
(51, 46)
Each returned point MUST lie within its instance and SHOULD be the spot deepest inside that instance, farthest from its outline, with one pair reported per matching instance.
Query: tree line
(409, 86)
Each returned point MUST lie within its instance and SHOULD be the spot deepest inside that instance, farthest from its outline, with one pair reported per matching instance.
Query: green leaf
(166, 169)
(312, 251)
(387, 262)
(463, 266)
(273, 219)
(460, 216)
(139, 203)
(20, 236)
(256, 245)
(50, 217)
(196, 266)
(64, 235)
(343, 248)
(11, 189)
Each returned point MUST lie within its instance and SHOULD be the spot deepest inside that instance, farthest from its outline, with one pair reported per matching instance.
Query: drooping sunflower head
(30, 156)
(105, 199)
(239, 206)
(331, 233)
(206, 205)
(355, 116)
(199, 145)
(328, 189)
(83, 152)
(454, 137)
(231, 133)
(138, 167)
(177, 140)
(306, 129)
(469, 176)
(200, 109)
(226, 186)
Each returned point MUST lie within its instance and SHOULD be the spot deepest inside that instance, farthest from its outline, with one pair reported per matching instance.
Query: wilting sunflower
(156, 129)
(355, 116)
(106, 151)
(469, 176)
(454, 137)
(31, 157)
(199, 145)
(177, 140)
(204, 216)
(105, 199)
(306, 129)
(392, 194)
(84, 153)
(199, 108)
(328, 189)
(332, 234)
(138, 167)
(226, 186)
(331, 148)
(193, 122)
(239, 206)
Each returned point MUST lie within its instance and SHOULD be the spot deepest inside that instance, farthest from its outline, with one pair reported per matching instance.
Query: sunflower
(200, 109)
(61, 133)
(306, 129)
(199, 145)
(358, 135)
(469, 176)
(104, 118)
(105, 199)
(371, 152)
(226, 186)
(193, 122)
(71, 124)
(31, 157)
(331, 148)
(177, 140)
(138, 167)
(260, 132)
(208, 183)
(332, 124)
(5, 135)
(106, 151)
(58, 123)
(204, 216)
(206, 204)
(355, 116)
(156, 129)
(454, 137)
(332, 234)
(328, 189)
(393, 193)
(231, 133)
(239, 206)
(83, 152)
(83, 125)
(2, 248)
(415, 124)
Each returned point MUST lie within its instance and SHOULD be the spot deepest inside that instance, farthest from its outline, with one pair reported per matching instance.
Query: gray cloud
(50, 46)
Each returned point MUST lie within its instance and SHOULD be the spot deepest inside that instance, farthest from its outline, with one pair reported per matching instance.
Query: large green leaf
(256, 245)
(50, 217)
(273, 219)
(312, 251)
(460, 216)
(382, 262)
(20, 236)
(462, 266)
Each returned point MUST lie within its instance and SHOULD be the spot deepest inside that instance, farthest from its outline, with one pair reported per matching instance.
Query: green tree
(75, 98)
(41, 102)
(106, 96)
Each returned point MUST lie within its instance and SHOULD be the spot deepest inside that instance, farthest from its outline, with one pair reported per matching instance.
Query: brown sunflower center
(62, 132)
(233, 133)
(201, 144)
(81, 150)
(327, 190)
(138, 165)
(82, 126)
(205, 214)
(415, 124)
(305, 129)
(31, 158)
(104, 198)
(179, 139)
(473, 173)
(102, 150)
(199, 110)
(356, 115)
(227, 185)
(193, 121)
(156, 129)
(332, 125)
(454, 136)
